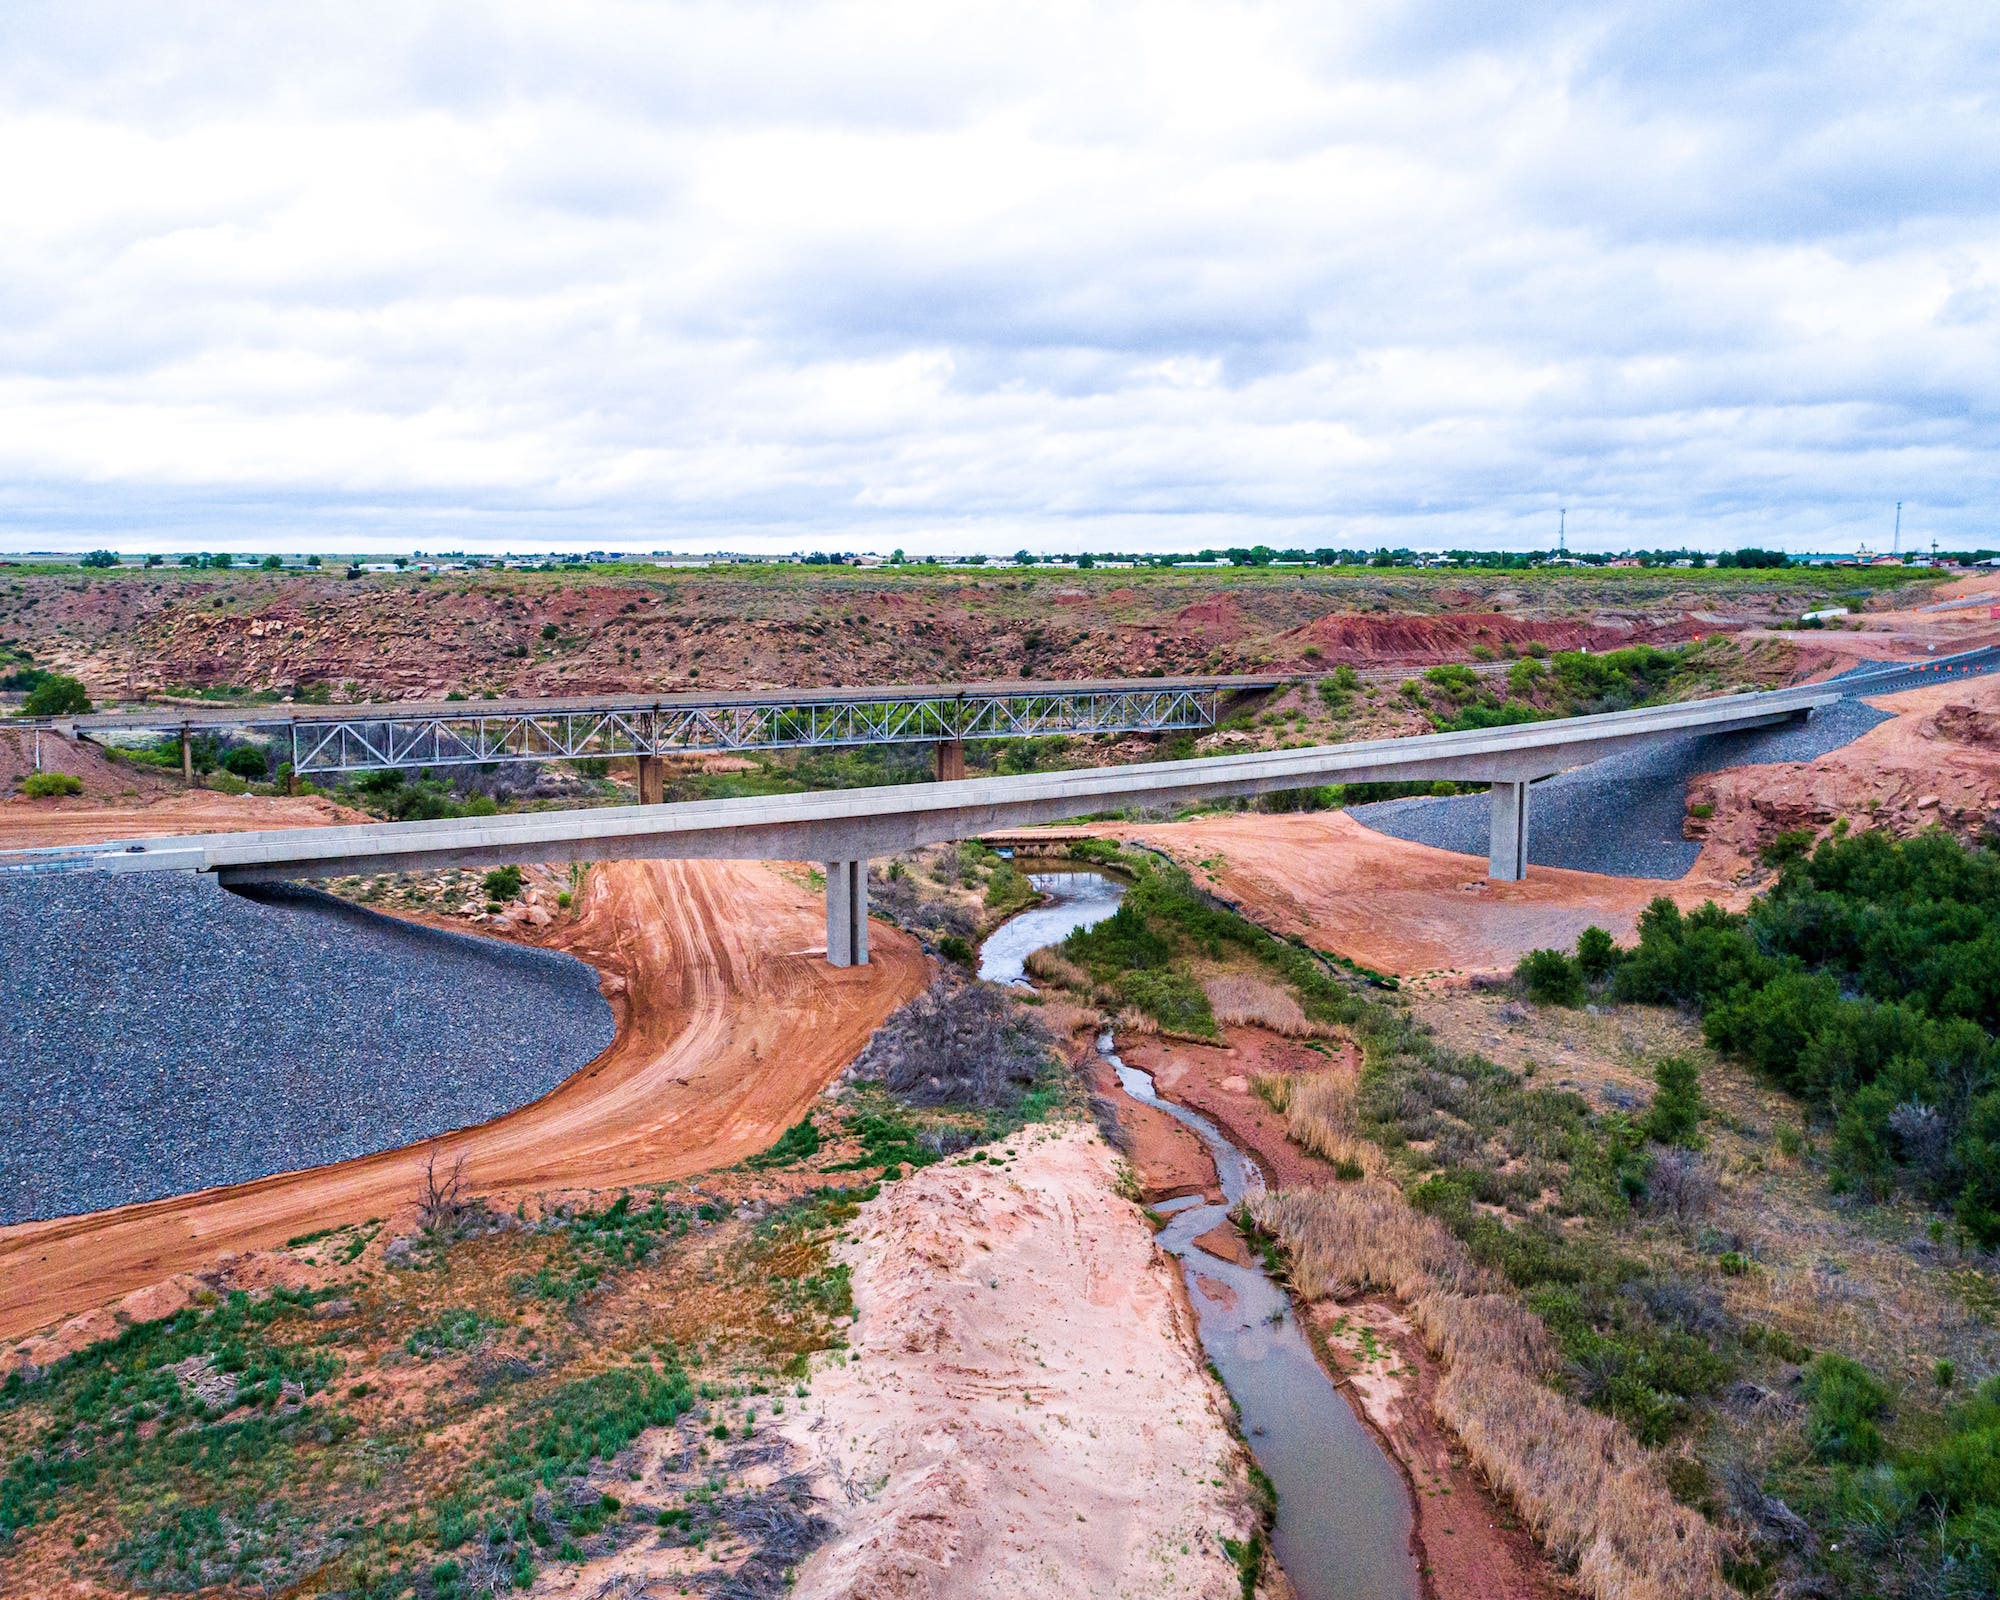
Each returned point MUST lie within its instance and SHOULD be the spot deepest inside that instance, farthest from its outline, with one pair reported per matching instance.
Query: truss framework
(472, 738)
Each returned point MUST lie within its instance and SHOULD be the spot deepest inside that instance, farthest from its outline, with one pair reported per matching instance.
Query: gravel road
(163, 1035)
(1622, 816)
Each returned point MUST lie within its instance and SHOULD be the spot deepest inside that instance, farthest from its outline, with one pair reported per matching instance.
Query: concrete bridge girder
(844, 828)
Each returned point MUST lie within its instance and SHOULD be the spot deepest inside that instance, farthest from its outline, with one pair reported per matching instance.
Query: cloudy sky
(960, 277)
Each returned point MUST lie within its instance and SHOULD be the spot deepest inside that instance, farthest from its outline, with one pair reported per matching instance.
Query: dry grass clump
(1578, 1479)
(1241, 997)
(1318, 1108)
(1274, 1089)
(1319, 1116)
(1053, 968)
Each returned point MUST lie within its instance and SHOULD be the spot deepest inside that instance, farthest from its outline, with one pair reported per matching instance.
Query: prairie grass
(1319, 1116)
(1246, 999)
(1578, 1479)
(1051, 966)
(1274, 1089)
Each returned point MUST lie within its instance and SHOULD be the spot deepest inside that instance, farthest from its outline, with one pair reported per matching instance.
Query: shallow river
(1343, 1528)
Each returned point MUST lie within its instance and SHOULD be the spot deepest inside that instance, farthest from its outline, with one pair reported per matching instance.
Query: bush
(57, 696)
(46, 785)
(956, 1043)
(100, 558)
(503, 883)
(1121, 943)
(796, 1143)
(1867, 979)
(1596, 954)
(246, 761)
(1175, 1001)
(1551, 978)
(1675, 1114)
(1846, 1401)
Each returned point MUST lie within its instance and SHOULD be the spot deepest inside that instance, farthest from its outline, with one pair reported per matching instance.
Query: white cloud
(861, 274)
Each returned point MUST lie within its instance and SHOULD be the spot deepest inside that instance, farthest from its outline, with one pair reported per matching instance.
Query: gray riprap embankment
(162, 1035)
(1623, 815)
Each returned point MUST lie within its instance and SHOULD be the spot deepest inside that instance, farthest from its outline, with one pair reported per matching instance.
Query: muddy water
(1071, 900)
(1343, 1527)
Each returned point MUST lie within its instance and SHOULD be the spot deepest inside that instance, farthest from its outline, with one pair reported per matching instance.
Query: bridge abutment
(847, 913)
(1507, 857)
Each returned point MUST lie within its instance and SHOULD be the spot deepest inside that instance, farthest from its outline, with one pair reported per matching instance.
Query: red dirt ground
(728, 1026)
(1395, 906)
(1938, 762)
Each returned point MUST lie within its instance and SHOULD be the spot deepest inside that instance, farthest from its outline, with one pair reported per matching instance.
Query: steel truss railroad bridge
(335, 740)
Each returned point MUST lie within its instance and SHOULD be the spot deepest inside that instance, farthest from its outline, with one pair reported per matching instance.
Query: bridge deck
(846, 824)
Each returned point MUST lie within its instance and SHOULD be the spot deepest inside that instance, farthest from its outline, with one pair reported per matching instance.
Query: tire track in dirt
(729, 1024)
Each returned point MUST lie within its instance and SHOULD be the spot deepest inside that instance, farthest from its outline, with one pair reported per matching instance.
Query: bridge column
(652, 780)
(187, 759)
(1507, 860)
(950, 755)
(847, 913)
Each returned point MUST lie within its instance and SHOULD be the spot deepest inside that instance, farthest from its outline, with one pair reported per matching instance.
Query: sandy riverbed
(1025, 1411)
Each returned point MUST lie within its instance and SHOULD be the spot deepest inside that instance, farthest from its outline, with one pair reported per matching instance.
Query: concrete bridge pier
(1507, 856)
(847, 913)
(652, 780)
(950, 757)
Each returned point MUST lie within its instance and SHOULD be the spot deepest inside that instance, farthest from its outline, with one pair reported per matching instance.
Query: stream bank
(1463, 1543)
(1344, 1525)
(1471, 1545)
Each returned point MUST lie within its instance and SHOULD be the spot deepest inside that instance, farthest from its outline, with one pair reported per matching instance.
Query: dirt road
(50, 824)
(1395, 906)
(729, 1024)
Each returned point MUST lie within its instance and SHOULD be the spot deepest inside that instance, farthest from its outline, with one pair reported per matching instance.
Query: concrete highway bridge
(333, 740)
(843, 828)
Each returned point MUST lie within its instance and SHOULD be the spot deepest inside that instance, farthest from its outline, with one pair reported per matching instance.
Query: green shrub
(1675, 1114)
(953, 948)
(44, 785)
(57, 696)
(246, 761)
(1596, 954)
(1176, 1002)
(1845, 1403)
(1867, 979)
(503, 883)
(1551, 978)
(1121, 943)
(1961, 1471)
(796, 1143)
